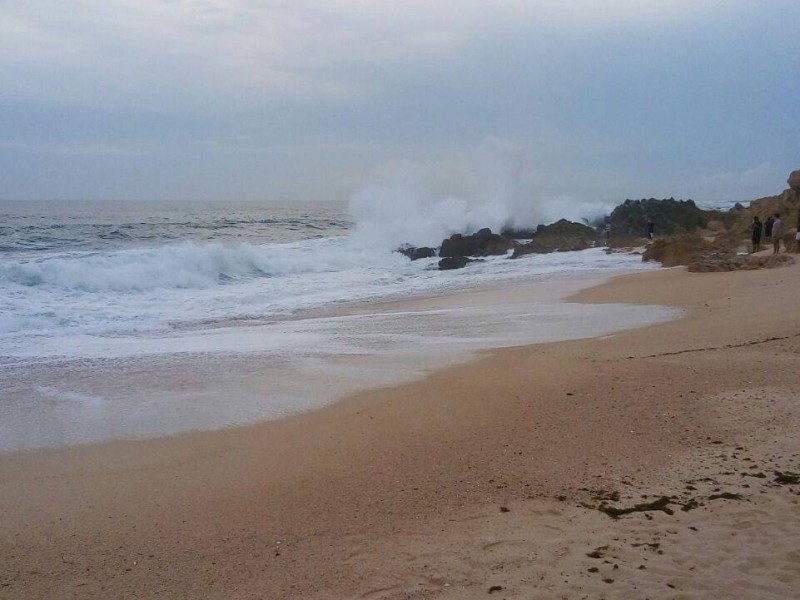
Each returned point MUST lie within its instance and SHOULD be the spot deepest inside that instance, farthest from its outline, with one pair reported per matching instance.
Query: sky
(317, 100)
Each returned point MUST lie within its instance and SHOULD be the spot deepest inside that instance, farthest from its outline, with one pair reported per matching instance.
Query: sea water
(124, 320)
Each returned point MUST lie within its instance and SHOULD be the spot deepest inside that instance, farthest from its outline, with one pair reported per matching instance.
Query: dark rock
(690, 504)
(660, 504)
(612, 496)
(561, 236)
(417, 253)
(597, 552)
(482, 243)
(513, 233)
(787, 478)
(668, 216)
(725, 496)
(453, 262)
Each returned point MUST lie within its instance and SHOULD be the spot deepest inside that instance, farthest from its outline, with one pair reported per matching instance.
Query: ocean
(136, 319)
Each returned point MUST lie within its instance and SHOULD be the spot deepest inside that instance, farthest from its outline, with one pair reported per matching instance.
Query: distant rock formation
(482, 243)
(561, 236)
(668, 216)
(678, 225)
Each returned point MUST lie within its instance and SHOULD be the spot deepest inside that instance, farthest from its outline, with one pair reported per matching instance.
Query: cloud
(604, 99)
(218, 54)
(162, 54)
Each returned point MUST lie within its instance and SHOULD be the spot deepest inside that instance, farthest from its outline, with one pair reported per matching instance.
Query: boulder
(794, 180)
(482, 243)
(417, 253)
(453, 262)
(561, 236)
(681, 250)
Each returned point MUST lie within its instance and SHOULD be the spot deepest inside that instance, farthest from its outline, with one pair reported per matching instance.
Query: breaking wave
(184, 266)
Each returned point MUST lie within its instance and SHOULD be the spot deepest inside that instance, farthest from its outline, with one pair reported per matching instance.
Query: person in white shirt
(776, 234)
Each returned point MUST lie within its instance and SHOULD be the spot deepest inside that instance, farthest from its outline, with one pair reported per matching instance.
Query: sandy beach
(483, 479)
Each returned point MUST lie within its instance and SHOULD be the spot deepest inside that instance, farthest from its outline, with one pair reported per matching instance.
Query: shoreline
(326, 357)
(327, 504)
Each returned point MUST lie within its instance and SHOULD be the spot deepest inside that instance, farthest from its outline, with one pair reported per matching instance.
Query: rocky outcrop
(703, 256)
(794, 181)
(482, 243)
(561, 236)
(668, 216)
(682, 249)
(717, 264)
(787, 204)
(727, 234)
(417, 253)
(515, 233)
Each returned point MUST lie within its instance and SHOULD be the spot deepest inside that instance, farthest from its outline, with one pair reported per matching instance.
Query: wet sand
(141, 387)
(483, 478)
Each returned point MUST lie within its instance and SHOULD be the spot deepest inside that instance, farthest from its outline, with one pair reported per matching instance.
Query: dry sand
(482, 480)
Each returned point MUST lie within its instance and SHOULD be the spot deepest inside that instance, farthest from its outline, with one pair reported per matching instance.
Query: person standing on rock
(776, 234)
(651, 228)
(756, 234)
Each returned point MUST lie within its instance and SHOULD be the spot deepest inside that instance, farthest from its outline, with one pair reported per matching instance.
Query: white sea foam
(52, 304)
(233, 375)
(181, 266)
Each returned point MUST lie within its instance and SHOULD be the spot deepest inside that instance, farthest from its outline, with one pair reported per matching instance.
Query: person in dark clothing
(651, 228)
(757, 227)
(768, 228)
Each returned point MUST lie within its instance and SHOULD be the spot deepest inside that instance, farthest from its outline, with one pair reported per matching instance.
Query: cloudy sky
(311, 99)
